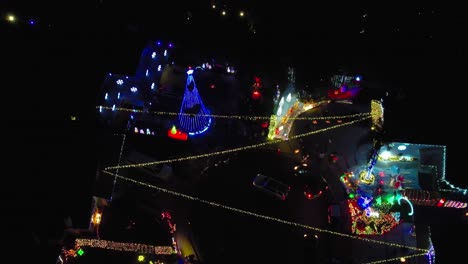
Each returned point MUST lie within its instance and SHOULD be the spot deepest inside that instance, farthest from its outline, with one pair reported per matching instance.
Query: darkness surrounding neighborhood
(54, 69)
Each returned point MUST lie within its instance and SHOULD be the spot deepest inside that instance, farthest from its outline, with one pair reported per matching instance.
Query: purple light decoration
(170, 45)
(159, 42)
(194, 117)
(31, 22)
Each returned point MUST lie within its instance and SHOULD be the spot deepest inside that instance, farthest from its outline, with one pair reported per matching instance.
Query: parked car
(271, 186)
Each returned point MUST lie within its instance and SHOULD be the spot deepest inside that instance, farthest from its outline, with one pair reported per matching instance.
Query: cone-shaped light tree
(193, 116)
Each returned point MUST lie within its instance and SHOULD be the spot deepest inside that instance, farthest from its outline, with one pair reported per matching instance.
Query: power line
(234, 149)
(251, 118)
(262, 216)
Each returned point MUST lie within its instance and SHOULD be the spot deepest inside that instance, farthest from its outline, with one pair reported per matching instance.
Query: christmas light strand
(396, 259)
(228, 116)
(261, 216)
(377, 113)
(234, 149)
(120, 246)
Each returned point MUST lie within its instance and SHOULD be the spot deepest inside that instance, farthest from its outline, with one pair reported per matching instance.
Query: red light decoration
(264, 124)
(212, 86)
(340, 94)
(361, 224)
(177, 134)
(256, 95)
(441, 202)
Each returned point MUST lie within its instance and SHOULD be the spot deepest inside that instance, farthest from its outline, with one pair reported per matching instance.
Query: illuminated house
(134, 91)
(404, 173)
(193, 116)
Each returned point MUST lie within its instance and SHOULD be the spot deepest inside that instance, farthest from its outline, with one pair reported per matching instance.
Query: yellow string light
(377, 112)
(234, 149)
(228, 116)
(120, 246)
(396, 259)
(261, 216)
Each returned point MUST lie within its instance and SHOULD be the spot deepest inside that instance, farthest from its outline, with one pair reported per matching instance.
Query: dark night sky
(54, 68)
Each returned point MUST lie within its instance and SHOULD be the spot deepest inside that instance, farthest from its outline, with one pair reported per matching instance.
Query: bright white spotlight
(189, 72)
(401, 147)
(385, 155)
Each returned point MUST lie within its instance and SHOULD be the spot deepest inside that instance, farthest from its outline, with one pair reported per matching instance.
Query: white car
(271, 186)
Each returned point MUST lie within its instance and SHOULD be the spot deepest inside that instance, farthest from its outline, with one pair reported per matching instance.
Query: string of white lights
(234, 149)
(229, 116)
(399, 259)
(122, 246)
(261, 216)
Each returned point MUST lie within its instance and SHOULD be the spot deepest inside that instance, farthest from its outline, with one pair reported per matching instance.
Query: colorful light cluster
(172, 228)
(177, 134)
(371, 215)
(128, 247)
(271, 130)
(142, 131)
(362, 224)
(344, 87)
(193, 198)
(206, 155)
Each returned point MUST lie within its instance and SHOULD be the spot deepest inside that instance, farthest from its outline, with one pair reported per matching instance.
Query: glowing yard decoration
(455, 204)
(128, 247)
(119, 82)
(377, 113)
(153, 55)
(177, 134)
(408, 201)
(193, 116)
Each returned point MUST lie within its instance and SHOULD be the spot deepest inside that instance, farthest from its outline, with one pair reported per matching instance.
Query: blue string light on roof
(193, 116)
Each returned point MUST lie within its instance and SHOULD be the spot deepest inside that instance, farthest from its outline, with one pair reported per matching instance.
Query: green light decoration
(390, 199)
(378, 200)
(80, 252)
(141, 258)
(173, 130)
(351, 195)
